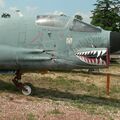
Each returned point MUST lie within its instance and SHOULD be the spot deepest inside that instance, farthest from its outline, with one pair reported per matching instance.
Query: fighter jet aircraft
(52, 42)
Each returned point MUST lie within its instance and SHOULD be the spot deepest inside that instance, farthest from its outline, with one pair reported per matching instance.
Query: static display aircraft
(52, 42)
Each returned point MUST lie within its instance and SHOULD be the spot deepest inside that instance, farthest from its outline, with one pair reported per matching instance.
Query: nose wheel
(26, 88)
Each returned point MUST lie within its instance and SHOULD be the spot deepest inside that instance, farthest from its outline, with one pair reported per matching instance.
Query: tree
(107, 15)
(5, 15)
(78, 16)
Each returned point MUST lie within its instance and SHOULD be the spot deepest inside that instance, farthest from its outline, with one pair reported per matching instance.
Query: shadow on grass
(63, 96)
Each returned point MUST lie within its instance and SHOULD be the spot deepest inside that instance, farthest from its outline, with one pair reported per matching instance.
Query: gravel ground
(18, 107)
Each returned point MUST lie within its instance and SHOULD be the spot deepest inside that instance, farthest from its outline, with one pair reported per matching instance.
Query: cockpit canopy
(52, 20)
(62, 21)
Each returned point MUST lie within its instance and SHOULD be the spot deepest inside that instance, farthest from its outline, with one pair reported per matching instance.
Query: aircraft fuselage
(27, 45)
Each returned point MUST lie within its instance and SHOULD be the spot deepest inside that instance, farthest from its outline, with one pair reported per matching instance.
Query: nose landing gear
(25, 88)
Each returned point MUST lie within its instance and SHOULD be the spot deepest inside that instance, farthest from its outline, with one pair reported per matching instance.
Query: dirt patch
(18, 107)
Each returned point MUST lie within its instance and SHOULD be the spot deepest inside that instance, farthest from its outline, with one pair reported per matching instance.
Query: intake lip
(114, 42)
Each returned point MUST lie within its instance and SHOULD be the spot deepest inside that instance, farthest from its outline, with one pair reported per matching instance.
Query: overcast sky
(69, 7)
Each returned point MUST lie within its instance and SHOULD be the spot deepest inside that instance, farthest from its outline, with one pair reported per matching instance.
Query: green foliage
(107, 15)
(31, 116)
(55, 112)
(79, 17)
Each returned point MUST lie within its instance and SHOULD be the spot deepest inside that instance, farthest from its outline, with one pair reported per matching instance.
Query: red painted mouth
(94, 57)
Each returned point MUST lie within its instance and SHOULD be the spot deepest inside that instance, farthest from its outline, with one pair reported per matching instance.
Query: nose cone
(114, 42)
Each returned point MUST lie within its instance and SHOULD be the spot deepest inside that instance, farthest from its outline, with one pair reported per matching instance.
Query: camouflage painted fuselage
(28, 45)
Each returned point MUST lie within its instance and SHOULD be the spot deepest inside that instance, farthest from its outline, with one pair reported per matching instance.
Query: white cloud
(2, 3)
(13, 9)
(29, 10)
(58, 13)
(86, 16)
(32, 9)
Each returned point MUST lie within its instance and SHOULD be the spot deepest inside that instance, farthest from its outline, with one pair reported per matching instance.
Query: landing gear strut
(25, 88)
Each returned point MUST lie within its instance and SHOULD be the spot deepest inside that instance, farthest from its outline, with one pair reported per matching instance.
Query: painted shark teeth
(96, 58)
(92, 53)
(103, 52)
(99, 52)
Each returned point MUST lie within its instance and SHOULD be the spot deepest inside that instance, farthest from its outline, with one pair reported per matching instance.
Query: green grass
(68, 85)
(31, 116)
(87, 97)
(99, 108)
(55, 112)
(90, 97)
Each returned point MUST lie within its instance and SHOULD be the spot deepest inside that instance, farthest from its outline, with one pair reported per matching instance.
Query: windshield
(79, 26)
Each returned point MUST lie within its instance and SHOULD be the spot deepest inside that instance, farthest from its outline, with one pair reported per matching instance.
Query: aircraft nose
(114, 42)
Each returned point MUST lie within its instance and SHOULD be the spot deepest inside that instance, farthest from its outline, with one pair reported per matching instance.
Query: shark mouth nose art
(93, 57)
